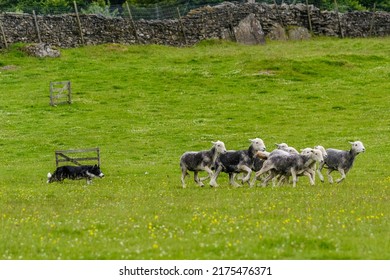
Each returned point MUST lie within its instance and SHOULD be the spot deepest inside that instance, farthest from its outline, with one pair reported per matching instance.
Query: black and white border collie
(75, 173)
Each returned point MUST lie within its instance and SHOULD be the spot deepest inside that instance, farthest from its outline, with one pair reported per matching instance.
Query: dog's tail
(49, 177)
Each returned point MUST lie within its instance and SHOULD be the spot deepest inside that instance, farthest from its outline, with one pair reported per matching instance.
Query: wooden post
(278, 14)
(372, 20)
(308, 16)
(37, 27)
(79, 23)
(132, 23)
(182, 27)
(338, 19)
(3, 35)
(231, 27)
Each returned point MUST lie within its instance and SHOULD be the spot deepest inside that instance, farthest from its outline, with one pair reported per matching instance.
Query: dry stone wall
(207, 22)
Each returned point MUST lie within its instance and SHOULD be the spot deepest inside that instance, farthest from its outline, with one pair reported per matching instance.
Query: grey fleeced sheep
(233, 162)
(285, 164)
(200, 161)
(341, 161)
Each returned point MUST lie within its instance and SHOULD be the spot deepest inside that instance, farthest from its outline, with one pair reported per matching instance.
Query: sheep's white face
(258, 144)
(317, 155)
(358, 147)
(306, 151)
(282, 146)
(322, 149)
(219, 146)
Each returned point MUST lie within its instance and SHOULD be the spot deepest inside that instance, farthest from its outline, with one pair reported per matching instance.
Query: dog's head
(94, 171)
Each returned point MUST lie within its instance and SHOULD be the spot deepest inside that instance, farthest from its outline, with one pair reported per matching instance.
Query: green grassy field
(146, 105)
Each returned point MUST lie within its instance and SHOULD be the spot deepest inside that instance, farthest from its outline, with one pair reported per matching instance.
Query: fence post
(132, 23)
(79, 23)
(338, 19)
(372, 20)
(182, 27)
(309, 17)
(278, 14)
(37, 27)
(3, 35)
(231, 27)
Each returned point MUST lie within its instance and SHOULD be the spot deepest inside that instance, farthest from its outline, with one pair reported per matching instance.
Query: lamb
(341, 161)
(282, 163)
(200, 161)
(238, 161)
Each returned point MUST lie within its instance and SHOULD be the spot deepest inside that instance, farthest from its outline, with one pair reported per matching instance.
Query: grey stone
(249, 31)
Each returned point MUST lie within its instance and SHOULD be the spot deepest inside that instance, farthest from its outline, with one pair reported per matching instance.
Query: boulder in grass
(41, 50)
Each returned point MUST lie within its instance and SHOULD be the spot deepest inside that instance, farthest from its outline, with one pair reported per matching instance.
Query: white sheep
(307, 151)
(341, 161)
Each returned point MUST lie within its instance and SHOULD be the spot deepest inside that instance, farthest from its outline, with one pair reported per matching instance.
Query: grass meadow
(146, 105)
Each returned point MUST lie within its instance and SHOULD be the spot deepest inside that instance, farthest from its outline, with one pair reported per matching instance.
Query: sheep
(292, 150)
(340, 160)
(314, 166)
(238, 161)
(200, 161)
(281, 148)
(285, 147)
(282, 163)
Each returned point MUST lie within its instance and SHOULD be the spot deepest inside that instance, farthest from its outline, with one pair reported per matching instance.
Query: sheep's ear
(350, 142)
(276, 144)
(212, 142)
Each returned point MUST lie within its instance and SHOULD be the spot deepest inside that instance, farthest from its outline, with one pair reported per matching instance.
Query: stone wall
(203, 23)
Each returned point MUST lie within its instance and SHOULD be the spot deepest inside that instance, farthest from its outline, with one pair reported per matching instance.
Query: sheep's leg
(209, 172)
(282, 179)
(183, 176)
(294, 176)
(213, 181)
(248, 175)
(196, 179)
(232, 181)
(319, 171)
(342, 175)
(310, 176)
(204, 178)
(263, 170)
(329, 176)
(270, 176)
(277, 180)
